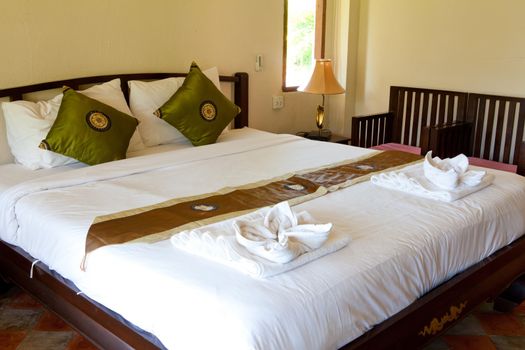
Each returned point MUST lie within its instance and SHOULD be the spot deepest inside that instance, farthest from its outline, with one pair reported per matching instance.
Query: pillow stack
(96, 125)
(28, 123)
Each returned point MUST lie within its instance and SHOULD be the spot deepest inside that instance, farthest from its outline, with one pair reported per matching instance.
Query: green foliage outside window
(300, 41)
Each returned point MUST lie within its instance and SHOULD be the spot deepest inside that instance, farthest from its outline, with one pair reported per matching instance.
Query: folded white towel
(264, 243)
(450, 173)
(281, 236)
(412, 179)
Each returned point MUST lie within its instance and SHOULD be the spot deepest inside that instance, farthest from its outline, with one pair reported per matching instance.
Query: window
(303, 40)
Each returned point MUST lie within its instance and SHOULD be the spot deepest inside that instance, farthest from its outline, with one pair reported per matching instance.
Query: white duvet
(401, 245)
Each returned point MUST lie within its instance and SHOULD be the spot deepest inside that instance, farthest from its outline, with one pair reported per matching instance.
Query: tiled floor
(486, 329)
(26, 325)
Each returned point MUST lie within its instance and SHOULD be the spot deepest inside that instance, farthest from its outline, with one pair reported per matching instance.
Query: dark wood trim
(285, 49)
(241, 99)
(320, 28)
(240, 81)
(319, 41)
(87, 317)
(521, 160)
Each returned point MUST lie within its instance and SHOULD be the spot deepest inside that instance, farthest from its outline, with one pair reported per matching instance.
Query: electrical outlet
(277, 102)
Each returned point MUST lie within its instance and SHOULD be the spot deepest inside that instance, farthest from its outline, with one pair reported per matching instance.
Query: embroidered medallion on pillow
(89, 131)
(198, 109)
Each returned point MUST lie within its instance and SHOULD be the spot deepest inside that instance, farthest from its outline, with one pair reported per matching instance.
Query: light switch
(258, 63)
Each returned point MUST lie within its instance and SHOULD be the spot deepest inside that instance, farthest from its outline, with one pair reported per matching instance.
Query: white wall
(465, 45)
(56, 39)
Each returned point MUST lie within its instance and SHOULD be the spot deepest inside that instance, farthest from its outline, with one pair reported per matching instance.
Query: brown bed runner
(165, 217)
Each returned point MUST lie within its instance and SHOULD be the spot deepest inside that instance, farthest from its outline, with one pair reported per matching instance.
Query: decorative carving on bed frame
(437, 325)
(448, 123)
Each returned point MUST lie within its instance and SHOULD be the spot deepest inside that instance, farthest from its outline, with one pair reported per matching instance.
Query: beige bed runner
(157, 222)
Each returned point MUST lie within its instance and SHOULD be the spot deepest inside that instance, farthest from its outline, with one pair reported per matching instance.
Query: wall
(466, 45)
(56, 39)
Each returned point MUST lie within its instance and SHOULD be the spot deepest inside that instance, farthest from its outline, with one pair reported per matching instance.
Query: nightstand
(333, 138)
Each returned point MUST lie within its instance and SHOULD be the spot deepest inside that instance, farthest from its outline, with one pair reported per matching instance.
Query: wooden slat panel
(499, 130)
(450, 110)
(382, 123)
(442, 105)
(509, 131)
(398, 120)
(406, 118)
(415, 120)
(479, 118)
(377, 126)
(462, 107)
(519, 133)
(490, 126)
(368, 133)
(433, 111)
(424, 112)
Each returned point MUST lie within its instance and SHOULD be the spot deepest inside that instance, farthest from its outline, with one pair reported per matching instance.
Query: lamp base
(321, 135)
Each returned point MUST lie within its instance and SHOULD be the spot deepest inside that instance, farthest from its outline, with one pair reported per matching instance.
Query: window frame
(319, 41)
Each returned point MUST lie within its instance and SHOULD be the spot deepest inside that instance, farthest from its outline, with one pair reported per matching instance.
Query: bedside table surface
(339, 139)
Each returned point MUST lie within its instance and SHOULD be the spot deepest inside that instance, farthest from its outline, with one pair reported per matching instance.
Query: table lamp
(322, 82)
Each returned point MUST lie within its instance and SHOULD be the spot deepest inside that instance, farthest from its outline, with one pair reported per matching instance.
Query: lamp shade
(323, 80)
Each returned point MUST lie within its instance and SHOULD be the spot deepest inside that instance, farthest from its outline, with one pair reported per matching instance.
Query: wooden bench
(485, 127)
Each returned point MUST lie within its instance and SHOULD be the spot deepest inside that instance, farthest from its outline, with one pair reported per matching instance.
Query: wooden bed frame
(448, 123)
(413, 327)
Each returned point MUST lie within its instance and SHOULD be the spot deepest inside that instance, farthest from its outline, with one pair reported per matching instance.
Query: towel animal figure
(281, 236)
(449, 173)
(264, 243)
(445, 180)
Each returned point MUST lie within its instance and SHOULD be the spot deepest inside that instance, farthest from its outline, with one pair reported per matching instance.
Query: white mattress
(401, 246)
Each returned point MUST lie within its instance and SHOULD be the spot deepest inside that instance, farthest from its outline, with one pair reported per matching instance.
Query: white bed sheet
(402, 246)
(13, 174)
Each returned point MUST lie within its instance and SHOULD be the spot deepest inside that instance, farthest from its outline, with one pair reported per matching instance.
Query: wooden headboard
(239, 81)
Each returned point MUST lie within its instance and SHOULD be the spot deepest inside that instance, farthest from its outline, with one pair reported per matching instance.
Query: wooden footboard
(372, 130)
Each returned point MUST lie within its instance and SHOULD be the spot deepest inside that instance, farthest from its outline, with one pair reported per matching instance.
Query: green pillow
(89, 131)
(198, 109)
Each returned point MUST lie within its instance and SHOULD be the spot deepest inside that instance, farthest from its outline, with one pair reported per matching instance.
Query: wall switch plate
(277, 102)
(258, 63)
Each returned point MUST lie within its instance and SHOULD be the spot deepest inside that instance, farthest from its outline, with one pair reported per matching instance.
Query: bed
(410, 281)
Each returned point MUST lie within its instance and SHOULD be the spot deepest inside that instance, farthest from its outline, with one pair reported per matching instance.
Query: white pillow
(145, 97)
(5, 153)
(28, 123)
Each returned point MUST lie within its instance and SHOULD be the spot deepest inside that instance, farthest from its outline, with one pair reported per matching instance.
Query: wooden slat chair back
(416, 108)
(410, 111)
(498, 124)
(372, 130)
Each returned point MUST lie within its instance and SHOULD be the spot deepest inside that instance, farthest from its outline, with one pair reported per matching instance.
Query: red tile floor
(26, 325)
